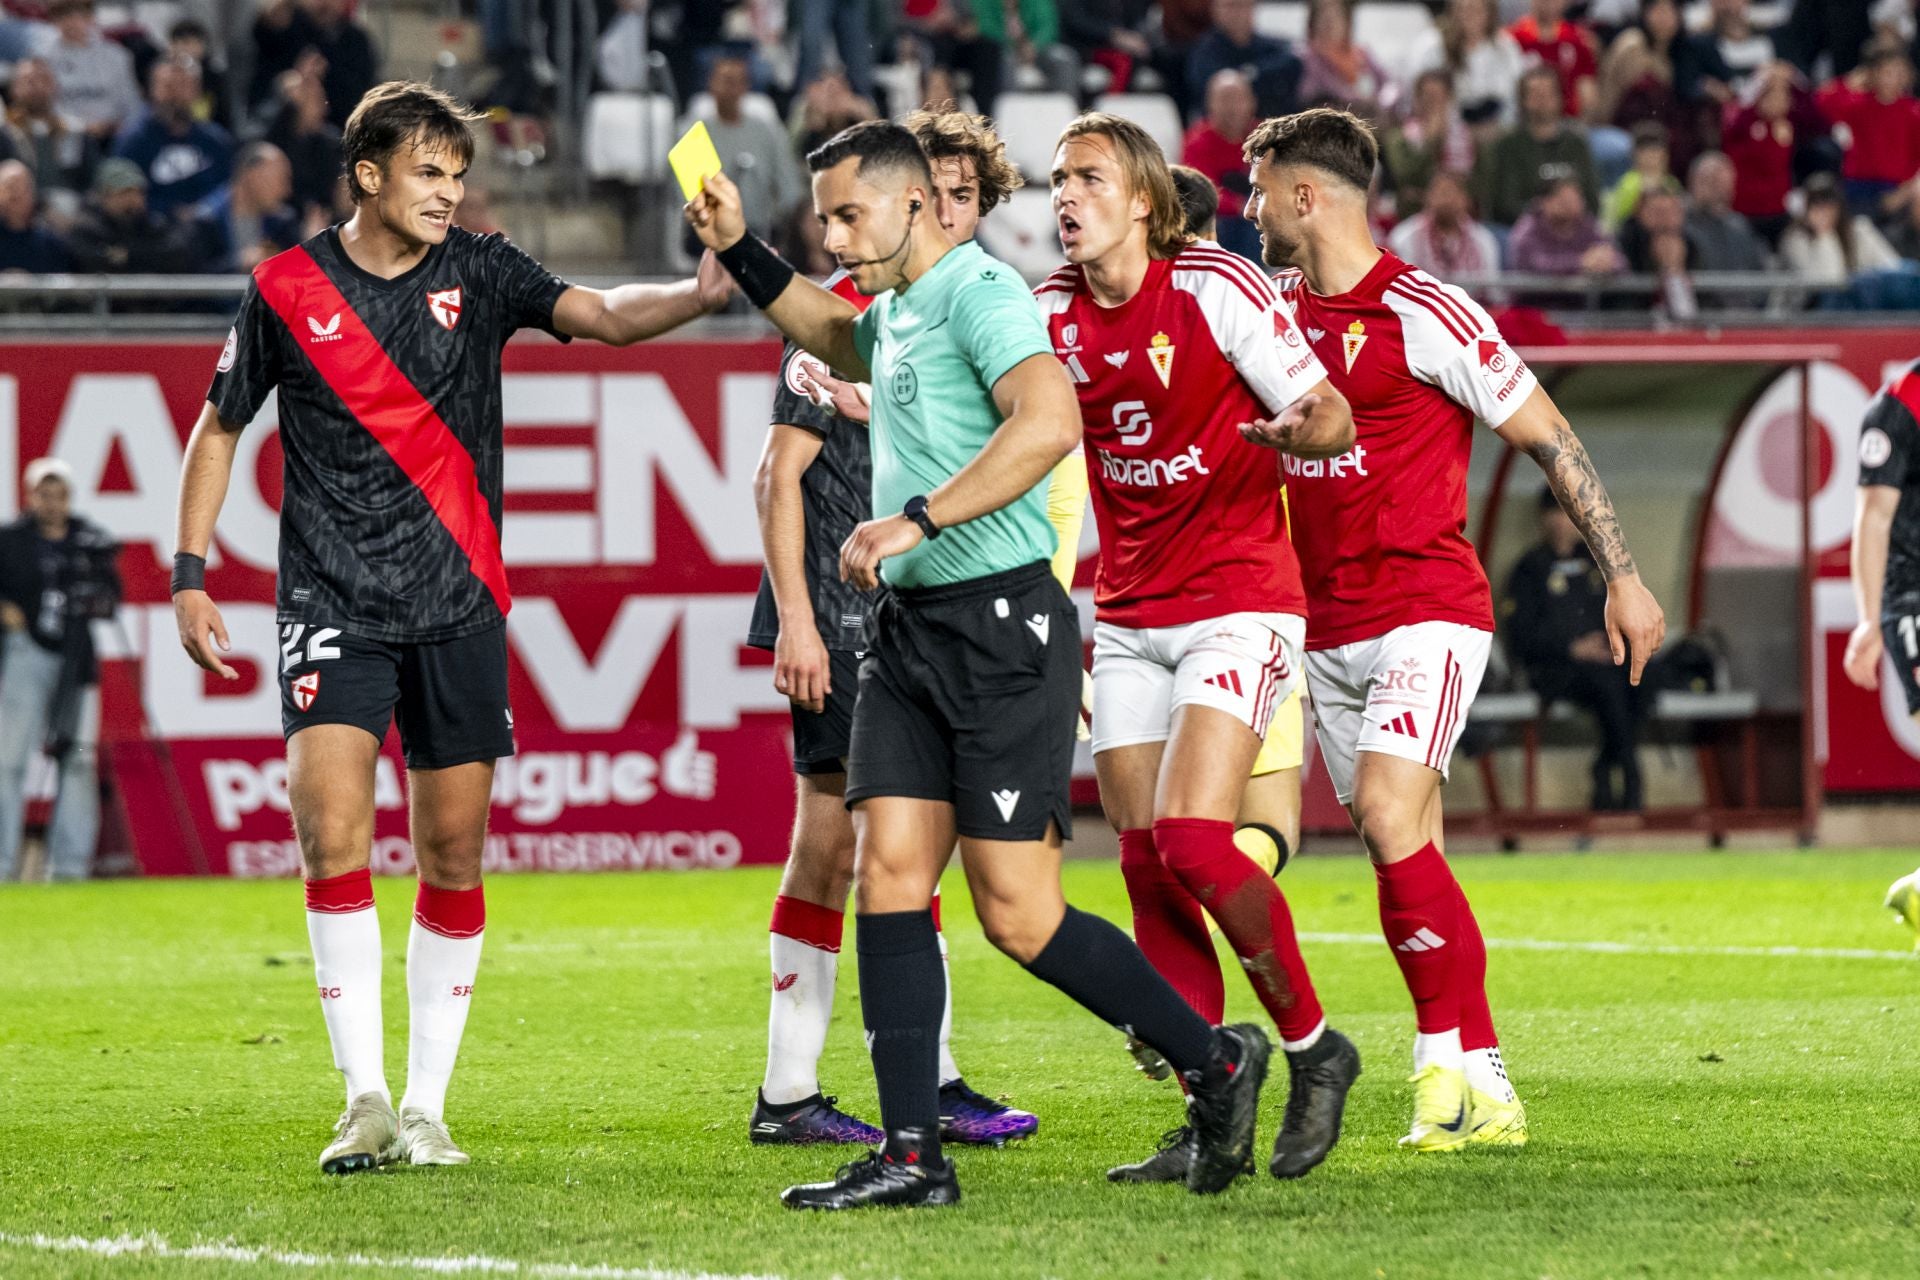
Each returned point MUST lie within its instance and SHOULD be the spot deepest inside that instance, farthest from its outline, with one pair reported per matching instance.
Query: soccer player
(1401, 617)
(970, 687)
(382, 336)
(814, 485)
(1886, 566)
(1171, 345)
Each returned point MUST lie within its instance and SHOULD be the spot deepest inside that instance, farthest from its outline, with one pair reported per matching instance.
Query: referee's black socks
(903, 991)
(1098, 966)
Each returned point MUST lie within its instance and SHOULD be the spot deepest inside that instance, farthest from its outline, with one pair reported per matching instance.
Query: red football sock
(1170, 929)
(1470, 978)
(1419, 913)
(1252, 913)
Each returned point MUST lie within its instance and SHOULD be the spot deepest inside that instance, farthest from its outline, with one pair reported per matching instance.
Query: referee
(971, 683)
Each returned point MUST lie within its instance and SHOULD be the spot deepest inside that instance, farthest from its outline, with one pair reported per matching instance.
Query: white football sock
(345, 938)
(1487, 1073)
(1441, 1047)
(443, 955)
(805, 946)
(949, 1069)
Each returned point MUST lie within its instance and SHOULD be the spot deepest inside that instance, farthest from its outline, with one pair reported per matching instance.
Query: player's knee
(1386, 822)
(1015, 929)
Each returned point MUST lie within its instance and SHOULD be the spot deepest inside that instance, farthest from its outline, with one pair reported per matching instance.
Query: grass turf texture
(166, 1071)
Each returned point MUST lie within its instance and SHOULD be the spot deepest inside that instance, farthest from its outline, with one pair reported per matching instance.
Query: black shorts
(1902, 639)
(449, 697)
(969, 694)
(822, 738)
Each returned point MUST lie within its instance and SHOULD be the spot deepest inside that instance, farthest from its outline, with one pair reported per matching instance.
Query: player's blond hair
(948, 134)
(1145, 167)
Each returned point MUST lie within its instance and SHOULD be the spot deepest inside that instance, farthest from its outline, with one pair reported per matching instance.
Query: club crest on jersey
(1070, 334)
(1351, 341)
(1160, 352)
(228, 352)
(445, 306)
(305, 689)
(803, 370)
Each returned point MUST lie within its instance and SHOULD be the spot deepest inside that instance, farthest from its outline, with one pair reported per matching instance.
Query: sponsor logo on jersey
(304, 689)
(1152, 473)
(1875, 447)
(1117, 358)
(328, 332)
(1500, 366)
(1070, 334)
(445, 306)
(1228, 680)
(1130, 419)
(1284, 330)
(1351, 463)
(1076, 370)
(1160, 351)
(1402, 724)
(1351, 341)
(1314, 335)
(228, 352)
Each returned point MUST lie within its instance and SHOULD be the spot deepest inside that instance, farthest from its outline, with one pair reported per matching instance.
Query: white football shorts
(1244, 664)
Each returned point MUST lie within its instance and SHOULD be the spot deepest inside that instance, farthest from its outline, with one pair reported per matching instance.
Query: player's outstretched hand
(848, 399)
(1862, 662)
(716, 214)
(203, 633)
(1636, 627)
(1277, 432)
(872, 542)
(801, 668)
(713, 283)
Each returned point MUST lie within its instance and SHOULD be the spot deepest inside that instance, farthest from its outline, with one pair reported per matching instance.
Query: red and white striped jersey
(1381, 530)
(1189, 513)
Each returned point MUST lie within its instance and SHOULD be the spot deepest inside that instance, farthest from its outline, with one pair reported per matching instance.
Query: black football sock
(903, 990)
(1098, 966)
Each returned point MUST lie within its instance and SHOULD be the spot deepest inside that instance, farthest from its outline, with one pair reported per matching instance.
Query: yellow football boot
(1442, 1114)
(1494, 1123)
(1903, 899)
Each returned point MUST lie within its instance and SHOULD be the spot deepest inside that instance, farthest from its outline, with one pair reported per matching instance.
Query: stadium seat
(1023, 234)
(1281, 18)
(1153, 112)
(627, 136)
(1031, 124)
(1391, 31)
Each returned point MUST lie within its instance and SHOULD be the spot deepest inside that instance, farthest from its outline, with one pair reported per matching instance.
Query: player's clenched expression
(868, 221)
(1279, 199)
(956, 197)
(1093, 203)
(415, 193)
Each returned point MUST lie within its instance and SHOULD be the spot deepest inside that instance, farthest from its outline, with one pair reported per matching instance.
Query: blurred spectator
(185, 160)
(620, 54)
(95, 85)
(1656, 229)
(1268, 62)
(250, 219)
(1483, 60)
(1110, 34)
(1213, 147)
(1722, 240)
(1637, 80)
(1836, 29)
(289, 35)
(1877, 121)
(1829, 245)
(1762, 138)
(1651, 171)
(1903, 234)
(951, 38)
(754, 152)
(1443, 239)
(58, 153)
(1555, 615)
(25, 244)
(1336, 70)
(1432, 138)
(847, 21)
(301, 129)
(1184, 21)
(189, 38)
(1542, 148)
(1558, 237)
(1722, 60)
(1199, 201)
(828, 106)
(1565, 47)
(118, 234)
(58, 575)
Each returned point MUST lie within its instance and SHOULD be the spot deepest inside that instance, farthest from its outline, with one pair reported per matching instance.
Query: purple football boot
(808, 1121)
(974, 1119)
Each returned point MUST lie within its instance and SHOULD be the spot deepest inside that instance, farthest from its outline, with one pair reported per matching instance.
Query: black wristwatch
(916, 511)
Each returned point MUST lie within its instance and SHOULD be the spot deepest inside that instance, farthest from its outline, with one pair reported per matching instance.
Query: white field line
(152, 1246)
(1641, 948)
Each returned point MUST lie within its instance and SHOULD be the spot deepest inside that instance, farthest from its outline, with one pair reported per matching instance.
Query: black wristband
(189, 572)
(761, 273)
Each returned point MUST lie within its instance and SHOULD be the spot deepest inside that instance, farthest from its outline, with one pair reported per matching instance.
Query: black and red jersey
(1890, 456)
(390, 420)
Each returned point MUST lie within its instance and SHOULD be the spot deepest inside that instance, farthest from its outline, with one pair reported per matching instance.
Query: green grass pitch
(1706, 1109)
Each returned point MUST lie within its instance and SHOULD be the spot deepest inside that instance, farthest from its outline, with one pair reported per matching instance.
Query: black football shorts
(1902, 639)
(822, 738)
(969, 694)
(449, 697)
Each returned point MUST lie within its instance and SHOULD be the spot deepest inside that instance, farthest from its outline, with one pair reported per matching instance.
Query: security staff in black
(1886, 540)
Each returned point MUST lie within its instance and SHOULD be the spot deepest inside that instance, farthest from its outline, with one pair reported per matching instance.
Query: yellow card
(694, 160)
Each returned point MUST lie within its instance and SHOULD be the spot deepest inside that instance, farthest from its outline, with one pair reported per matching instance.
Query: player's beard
(1276, 251)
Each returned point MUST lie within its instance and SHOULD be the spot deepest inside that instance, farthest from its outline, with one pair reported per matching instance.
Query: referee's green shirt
(935, 352)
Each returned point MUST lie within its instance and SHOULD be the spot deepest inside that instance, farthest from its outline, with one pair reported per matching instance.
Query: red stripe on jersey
(1452, 326)
(1227, 273)
(1237, 264)
(1439, 293)
(1436, 298)
(1906, 389)
(1053, 288)
(391, 409)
